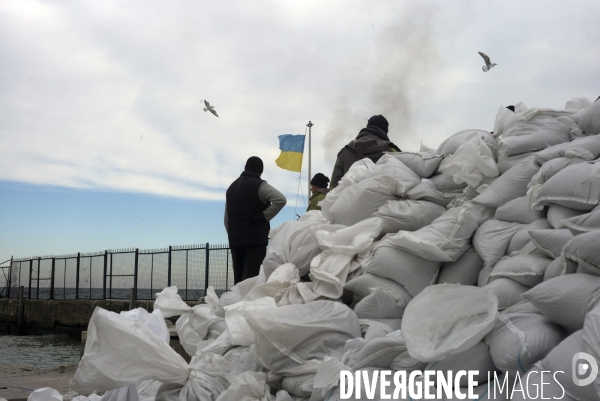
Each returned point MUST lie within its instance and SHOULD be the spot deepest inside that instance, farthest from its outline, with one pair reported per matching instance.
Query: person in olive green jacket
(318, 187)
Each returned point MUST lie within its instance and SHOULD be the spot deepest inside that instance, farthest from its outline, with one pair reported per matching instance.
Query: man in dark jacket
(318, 188)
(371, 142)
(250, 204)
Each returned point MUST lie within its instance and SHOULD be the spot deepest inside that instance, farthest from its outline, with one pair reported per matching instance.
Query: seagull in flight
(210, 108)
(488, 64)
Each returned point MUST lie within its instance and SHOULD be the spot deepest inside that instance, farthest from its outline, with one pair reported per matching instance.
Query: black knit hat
(254, 163)
(319, 180)
(378, 121)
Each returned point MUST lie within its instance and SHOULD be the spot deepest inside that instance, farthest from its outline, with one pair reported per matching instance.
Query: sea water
(40, 351)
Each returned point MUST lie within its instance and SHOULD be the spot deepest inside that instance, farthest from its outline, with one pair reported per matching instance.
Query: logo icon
(584, 364)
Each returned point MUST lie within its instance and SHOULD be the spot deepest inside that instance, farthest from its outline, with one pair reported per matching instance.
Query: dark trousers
(246, 261)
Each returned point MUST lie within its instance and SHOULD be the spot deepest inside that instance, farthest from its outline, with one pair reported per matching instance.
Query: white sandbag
(361, 287)
(584, 223)
(115, 343)
(248, 386)
(411, 271)
(444, 240)
(154, 321)
(524, 269)
(564, 358)
(422, 163)
(238, 328)
(521, 237)
(583, 250)
(293, 339)
(475, 358)
(452, 143)
(445, 183)
(313, 215)
(432, 333)
(589, 119)
(360, 201)
(484, 275)
(550, 242)
(558, 213)
(408, 215)
(558, 267)
(45, 394)
(425, 191)
(379, 304)
(518, 210)
(293, 242)
(464, 271)
(329, 272)
(534, 134)
(381, 326)
(471, 162)
(193, 324)
(492, 238)
(295, 294)
(520, 339)
(578, 103)
(351, 240)
(300, 386)
(281, 279)
(550, 168)
(481, 214)
(128, 393)
(565, 300)
(354, 175)
(378, 352)
(506, 163)
(576, 187)
(587, 148)
(507, 291)
(510, 185)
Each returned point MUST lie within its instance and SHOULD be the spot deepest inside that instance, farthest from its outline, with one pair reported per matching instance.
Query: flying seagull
(488, 64)
(210, 108)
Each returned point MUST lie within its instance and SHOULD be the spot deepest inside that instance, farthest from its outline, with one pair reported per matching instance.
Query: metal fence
(112, 274)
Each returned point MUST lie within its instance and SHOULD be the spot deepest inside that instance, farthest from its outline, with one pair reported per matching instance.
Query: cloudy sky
(104, 143)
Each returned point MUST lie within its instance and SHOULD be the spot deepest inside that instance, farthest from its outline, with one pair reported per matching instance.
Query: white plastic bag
(446, 319)
(45, 394)
(471, 162)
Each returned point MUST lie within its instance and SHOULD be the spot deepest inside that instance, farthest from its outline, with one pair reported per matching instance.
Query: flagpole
(309, 125)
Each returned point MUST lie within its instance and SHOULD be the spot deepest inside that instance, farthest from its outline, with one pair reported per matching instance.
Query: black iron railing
(112, 274)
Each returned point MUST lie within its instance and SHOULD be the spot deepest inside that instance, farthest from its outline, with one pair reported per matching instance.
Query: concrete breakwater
(59, 316)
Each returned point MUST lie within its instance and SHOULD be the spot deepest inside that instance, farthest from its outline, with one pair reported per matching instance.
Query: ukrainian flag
(292, 148)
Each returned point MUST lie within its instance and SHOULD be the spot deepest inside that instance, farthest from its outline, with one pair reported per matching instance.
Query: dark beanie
(255, 164)
(379, 121)
(319, 180)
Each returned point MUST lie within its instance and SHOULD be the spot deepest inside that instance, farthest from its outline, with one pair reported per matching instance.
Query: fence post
(37, 294)
(135, 270)
(169, 267)
(132, 298)
(77, 277)
(20, 319)
(186, 274)
(206, 269)
(9, 277)
(104, 275)
(52, 280)
(30, 274)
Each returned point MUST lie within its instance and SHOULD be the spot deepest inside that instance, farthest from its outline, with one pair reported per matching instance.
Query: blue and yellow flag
(292, 149)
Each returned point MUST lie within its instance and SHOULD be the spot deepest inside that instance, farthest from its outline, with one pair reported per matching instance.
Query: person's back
(250, 204)
(370, 142)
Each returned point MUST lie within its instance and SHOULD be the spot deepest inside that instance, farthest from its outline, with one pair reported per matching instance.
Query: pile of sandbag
(482, 254)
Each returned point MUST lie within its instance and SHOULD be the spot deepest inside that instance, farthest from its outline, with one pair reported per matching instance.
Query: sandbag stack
(482, 254)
